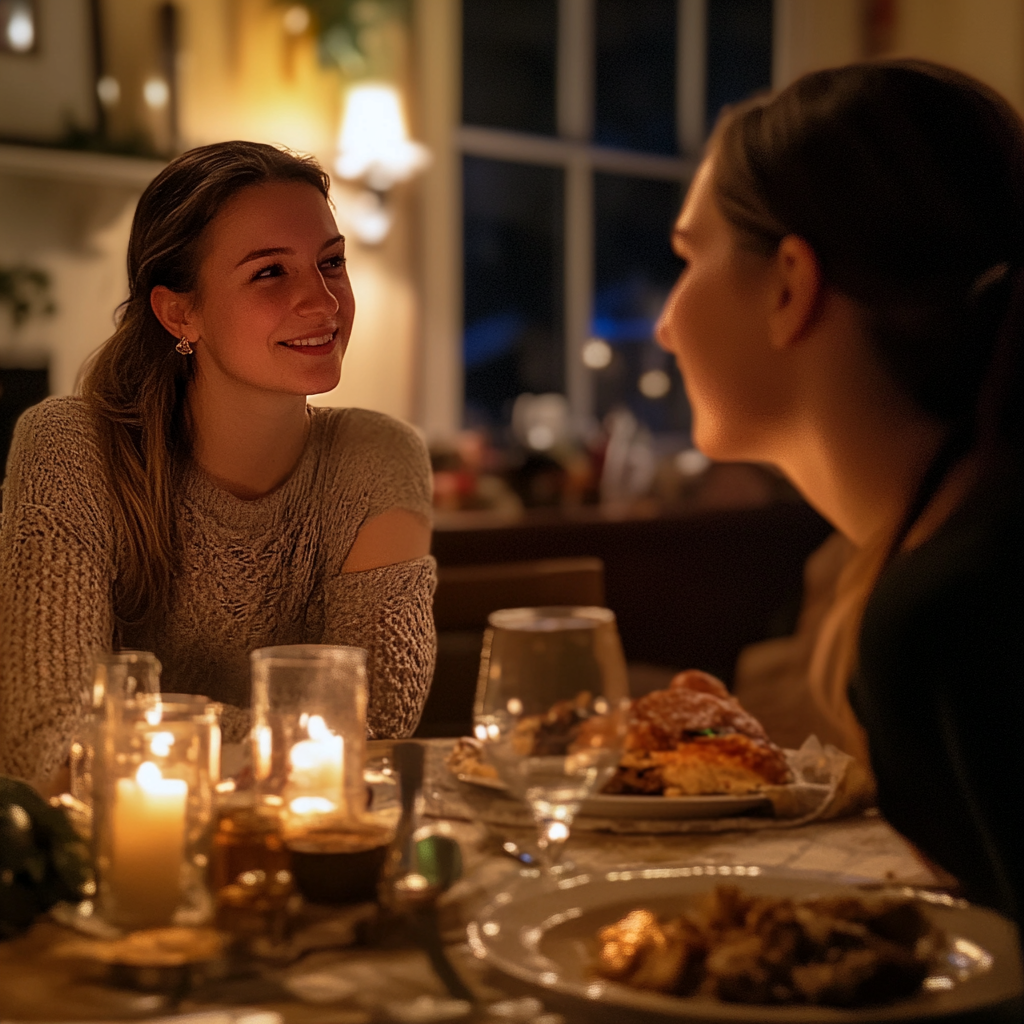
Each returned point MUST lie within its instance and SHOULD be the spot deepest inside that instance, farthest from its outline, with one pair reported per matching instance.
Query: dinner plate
(650, 807)
(544, 935)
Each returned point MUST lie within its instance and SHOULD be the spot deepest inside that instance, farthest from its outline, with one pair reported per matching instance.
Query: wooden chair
(466, 595)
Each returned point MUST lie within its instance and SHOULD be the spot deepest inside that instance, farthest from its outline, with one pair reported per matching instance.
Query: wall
(985, 38)
(45, 92)
(982, 37)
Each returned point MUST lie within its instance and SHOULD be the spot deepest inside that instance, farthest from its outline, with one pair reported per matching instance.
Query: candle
(148, 831)
(316, 776)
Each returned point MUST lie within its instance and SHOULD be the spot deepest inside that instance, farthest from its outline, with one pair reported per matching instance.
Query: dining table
(336, 967)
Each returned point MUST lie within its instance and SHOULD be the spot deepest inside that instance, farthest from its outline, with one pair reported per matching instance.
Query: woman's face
(715, 323)
(274, 306)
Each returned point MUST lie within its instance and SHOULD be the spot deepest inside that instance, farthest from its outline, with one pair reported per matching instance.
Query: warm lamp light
(374, 148)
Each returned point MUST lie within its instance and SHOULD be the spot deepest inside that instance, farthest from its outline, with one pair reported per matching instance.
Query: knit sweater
(250, 574)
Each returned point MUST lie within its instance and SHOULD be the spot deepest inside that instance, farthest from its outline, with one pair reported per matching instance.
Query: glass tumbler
(120, 677)
(153, 811)
(309, 734)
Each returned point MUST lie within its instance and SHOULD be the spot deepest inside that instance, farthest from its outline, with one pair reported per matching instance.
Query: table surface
(385, 983)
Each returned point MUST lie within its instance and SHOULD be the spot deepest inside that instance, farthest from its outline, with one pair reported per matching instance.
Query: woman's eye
(333, 262)
(274, 270)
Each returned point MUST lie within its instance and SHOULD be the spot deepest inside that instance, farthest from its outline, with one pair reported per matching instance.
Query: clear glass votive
(309, 734)
(119, 676)
(153, 811)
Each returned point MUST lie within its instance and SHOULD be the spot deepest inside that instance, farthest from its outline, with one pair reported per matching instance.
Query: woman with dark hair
(190, 502)
(852, 310)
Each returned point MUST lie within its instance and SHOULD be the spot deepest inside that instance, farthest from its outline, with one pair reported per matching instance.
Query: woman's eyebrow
(258, 254)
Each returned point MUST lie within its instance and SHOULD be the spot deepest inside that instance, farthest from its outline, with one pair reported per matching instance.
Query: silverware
(417, 872)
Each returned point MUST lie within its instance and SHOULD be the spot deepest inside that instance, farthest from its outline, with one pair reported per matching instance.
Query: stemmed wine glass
(550, 710)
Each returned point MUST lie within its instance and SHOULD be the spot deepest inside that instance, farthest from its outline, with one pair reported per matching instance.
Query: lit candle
(316, 775)
(148, 847)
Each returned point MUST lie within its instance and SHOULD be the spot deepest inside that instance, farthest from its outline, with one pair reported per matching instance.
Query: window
(581, 124)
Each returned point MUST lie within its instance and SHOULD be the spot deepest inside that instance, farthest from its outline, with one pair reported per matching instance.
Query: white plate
(545, 936)
(655, 807)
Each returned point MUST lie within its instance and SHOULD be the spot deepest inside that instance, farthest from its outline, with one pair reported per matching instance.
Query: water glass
(550, 709)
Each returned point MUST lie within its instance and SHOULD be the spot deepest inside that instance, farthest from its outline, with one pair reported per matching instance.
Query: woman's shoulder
(955, 602)
(376, 454)
(55, 454)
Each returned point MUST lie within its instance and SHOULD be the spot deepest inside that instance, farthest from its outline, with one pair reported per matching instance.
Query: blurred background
(507, 172)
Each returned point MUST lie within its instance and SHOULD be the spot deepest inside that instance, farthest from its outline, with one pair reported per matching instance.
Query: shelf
(75, 165)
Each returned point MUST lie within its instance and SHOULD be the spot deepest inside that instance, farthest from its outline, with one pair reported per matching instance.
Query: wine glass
(550, 710)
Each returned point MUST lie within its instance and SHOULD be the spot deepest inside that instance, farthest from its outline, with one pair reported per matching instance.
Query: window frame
(440, 401)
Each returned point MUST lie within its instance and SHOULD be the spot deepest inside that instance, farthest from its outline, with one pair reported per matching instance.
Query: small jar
(157, 765)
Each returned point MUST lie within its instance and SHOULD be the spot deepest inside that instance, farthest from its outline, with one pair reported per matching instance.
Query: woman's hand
(394, 536)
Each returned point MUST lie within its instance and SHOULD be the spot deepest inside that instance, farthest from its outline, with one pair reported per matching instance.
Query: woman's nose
(315, 297)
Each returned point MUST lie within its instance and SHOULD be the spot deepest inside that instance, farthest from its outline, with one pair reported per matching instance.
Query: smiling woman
(189, 502)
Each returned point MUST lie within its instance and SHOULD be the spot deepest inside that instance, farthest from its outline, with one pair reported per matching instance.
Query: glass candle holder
(117, 677)
(157, 765)
(309, 734)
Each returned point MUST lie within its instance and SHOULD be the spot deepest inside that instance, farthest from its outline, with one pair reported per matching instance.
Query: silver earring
(184, 347)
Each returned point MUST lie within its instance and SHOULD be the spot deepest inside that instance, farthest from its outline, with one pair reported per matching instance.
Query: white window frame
(438, 36)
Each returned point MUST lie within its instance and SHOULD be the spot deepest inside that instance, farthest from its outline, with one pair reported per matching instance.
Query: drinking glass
(117, 677)
(153, 811)
(309, 732)
(550, 710)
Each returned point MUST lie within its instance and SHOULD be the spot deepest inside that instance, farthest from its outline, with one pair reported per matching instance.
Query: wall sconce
(375, 150)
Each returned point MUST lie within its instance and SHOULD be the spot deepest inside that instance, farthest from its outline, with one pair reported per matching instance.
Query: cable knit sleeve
(56, 575)
(389, 612)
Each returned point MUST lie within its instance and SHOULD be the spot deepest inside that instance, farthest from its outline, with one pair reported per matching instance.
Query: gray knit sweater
(252, 574)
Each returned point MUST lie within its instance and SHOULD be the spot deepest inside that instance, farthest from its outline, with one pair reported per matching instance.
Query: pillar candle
(148, 830)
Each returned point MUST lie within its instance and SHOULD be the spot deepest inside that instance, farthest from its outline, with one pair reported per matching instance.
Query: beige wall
(982, 37)
(813, 34)
(43, 93)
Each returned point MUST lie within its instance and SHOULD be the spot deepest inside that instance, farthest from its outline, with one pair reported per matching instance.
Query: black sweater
(939, 692)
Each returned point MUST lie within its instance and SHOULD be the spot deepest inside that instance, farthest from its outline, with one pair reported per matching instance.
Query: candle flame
(312, 805)
(160, 743)
(317, 728)
(155, 715)
(148, 775)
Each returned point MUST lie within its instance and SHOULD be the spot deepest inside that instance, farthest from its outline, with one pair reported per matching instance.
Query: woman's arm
(388, 610)
(56, 573)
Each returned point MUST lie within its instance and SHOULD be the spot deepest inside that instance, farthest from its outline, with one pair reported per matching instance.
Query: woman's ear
(796, 292)
(175, 310)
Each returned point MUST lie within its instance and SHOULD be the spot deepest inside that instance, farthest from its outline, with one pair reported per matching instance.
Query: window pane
(636, 74)
(508, 64)
(634, 270)
(513, 341)
(739, 52)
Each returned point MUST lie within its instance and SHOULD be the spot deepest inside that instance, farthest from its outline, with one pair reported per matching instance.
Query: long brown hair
(136, 383)
(907, 180)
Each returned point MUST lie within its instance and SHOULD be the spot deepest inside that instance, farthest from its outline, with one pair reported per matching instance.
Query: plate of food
(746, 944)
(692, 751)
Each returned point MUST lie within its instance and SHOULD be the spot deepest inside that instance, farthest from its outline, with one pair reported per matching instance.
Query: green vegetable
(42, 858)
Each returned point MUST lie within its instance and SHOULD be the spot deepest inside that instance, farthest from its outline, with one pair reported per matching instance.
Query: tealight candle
(148, 832)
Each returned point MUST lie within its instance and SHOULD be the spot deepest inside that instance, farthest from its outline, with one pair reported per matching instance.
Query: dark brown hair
(907, 180)
(136, 383)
